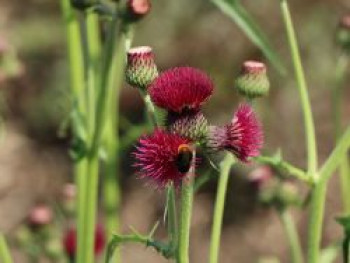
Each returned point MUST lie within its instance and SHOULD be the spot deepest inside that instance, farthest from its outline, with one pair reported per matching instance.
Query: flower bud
(191, 125)
(259, 176)
(253, 81)
(140, 69)
(137, 9)
(40, 215)
(343, 33)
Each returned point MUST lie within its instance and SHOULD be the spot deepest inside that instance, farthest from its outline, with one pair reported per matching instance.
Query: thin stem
(225, 168)
(172, 222)
(292, 236)
(111, 185)
(187, 191)
(303, 92)
(88, 183)
(151, 112)
(285, 167)
(337, 104)
(76, 67)
(318, 198)
(5, 255)
(319, 195)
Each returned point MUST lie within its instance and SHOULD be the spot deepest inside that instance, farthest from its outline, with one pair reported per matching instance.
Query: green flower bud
(343, 33)
(140, 69)
(253, 81)
(192, 125)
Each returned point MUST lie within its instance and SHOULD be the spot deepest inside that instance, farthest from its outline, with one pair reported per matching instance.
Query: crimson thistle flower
(164, 157)
(243, 136)
(182, 88)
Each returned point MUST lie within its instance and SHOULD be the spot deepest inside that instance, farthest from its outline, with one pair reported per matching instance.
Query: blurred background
(34, 160)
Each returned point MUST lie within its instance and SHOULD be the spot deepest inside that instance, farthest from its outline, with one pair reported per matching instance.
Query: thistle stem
(88, 183)
(303, 92)
(292, 236)
(172, 222)
(344, 175)
(111, 185)
(5, 255)
(76, 67)
(187, 192)
(225, 167)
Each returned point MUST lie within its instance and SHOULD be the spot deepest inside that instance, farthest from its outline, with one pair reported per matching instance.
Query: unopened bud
(259, 176)
(343, 33)
(253, 81)
(141, 69)
(40, 215)
(192, 125)
(137, 9)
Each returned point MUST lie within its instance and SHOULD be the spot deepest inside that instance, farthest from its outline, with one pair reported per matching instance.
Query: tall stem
(292, 236)
(225, 167)
(88, 184)
(5, 255)
(172, 222)
(344, 175)
(76, 67)
(111, 184)
(303, 92)
(187, 191)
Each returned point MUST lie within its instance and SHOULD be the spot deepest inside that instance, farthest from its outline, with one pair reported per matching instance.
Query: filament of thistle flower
(292, 236)
(5, 255)
(187, 192)
(340, 71)
(303, 91)
(111, 185)
(87, 199)
(225, 167)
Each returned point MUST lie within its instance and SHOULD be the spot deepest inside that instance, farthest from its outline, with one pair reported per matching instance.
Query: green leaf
(245, 21)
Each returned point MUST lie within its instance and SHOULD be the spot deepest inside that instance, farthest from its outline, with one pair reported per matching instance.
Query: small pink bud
(343, 33)
(40, 215)
(260, 175)
(138, 9)
(69, 191)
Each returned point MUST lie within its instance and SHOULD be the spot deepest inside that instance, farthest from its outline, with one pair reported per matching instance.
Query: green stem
(111, 187)
(337, 104)
(76, 67)
(225, 168)
(303, 92)
(5, 255)
(151, 111)
(285, 167)
(187, 191)
(292, 236)
(172, 223)
(87, 199)
(319, 195)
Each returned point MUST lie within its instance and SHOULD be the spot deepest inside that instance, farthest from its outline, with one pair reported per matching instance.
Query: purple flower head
(181, 88)
(163, 157)
(243, 136)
